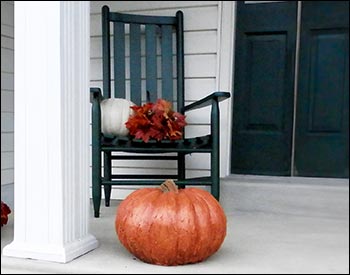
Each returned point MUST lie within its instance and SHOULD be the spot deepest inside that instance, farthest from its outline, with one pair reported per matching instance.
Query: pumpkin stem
(169, 186)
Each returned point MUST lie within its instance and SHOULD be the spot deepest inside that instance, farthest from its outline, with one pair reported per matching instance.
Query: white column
(224, 80)
(52, 175)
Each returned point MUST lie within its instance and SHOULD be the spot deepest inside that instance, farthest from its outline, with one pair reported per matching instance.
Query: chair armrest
(95, 94)
(206, 101)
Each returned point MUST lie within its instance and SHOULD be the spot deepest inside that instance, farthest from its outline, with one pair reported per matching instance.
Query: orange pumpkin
(171, 226)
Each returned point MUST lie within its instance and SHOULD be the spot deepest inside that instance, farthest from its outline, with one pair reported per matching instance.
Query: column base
(53, 253)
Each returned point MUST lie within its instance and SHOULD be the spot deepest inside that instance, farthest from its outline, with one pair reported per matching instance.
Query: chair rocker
(163, 67)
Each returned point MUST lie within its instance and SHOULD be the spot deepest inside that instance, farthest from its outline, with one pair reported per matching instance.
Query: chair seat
(200, 144)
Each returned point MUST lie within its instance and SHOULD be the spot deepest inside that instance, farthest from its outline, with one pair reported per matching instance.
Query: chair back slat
(119, 59)
(135, 63)
(151, 62)
(167, 62)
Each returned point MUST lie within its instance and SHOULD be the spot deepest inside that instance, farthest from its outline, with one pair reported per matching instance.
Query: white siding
(7, 104)
(202, 27)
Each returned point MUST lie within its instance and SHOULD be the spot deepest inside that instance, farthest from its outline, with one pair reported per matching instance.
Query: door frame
(224, 77)
(296, 77)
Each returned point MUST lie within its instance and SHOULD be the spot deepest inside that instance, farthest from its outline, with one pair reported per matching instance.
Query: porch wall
(7, 101)
(201, 24)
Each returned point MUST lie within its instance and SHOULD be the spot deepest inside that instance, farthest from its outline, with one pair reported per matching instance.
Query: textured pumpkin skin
(171, 228)
(115, 113)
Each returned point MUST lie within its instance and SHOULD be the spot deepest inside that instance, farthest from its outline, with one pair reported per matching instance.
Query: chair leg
(107, 175)
(215, 178)
(107, 189)
(96, 197)
(181, 169)
(96, 155)
(96, 182)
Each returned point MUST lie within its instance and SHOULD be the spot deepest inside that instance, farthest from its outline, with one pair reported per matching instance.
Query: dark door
(322, 125)
(263, 90)
(264, 84)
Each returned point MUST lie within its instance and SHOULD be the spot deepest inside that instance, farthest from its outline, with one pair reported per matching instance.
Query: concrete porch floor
(275, 225)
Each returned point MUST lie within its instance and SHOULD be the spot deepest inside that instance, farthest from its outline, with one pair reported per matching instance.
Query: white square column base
(53, 253)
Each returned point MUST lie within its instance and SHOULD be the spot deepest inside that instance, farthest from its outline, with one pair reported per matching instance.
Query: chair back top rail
(142, 19)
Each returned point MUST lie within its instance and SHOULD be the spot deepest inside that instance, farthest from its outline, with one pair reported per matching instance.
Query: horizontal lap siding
(196, 66)
(7, 96)
(200, 24)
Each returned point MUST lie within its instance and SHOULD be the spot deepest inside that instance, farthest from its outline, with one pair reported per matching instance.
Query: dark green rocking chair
(160, 32)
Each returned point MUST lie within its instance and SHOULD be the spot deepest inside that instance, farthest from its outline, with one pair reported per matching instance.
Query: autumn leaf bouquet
(5, 211)
(156, 121)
